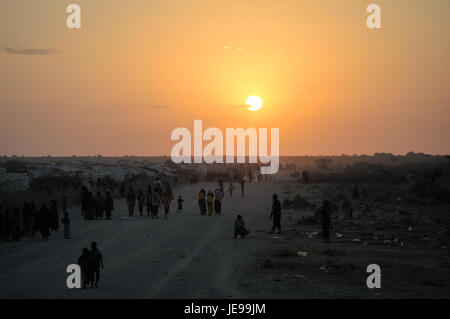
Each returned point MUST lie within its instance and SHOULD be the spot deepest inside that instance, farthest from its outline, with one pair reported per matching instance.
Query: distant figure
(202, 201)
(131, 201)
(276, 214)
(156, 201)
(218, 202)
(44, 222)
(239, 228)
(26, 218)
(90, 206)
(242, 187)
(109, 205)
(148, 200)
(54, 219)
(84, 201)
(180, 201)
(83, 262)
(2, 222)
(230, 189)
(355, 192)
(210, 202)
(347, 209)
(166, 204)
(99, 206)
(305, 175)
(221, 186)
(34, 219)
(7, 224)
(15, 225)
(64, 204)
(66, 222)
(325, 219)
(95, 261)
(141, 201)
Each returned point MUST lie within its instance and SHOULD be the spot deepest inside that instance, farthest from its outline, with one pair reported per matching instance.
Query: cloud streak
(159, 107)
(29, 51)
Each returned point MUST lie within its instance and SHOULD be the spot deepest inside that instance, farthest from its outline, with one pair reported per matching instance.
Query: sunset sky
(137, 69)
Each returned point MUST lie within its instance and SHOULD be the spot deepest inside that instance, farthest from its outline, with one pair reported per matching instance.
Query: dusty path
(184, 256)
(193, 256)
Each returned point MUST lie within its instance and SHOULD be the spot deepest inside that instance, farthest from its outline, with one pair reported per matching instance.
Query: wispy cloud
(226, 47)
(159, 107)
(29, 51)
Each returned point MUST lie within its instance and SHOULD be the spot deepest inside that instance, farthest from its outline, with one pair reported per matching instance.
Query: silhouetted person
(202, 201)
(99, 206)
(275, 214)
(44, 221)
(166, 204)
(26, 215)
(64, 204)
(218, 202)
(210, 202)
(109, 205)
(148, 200)
(54, 222)
(84, 202)
(325, 220)
(305, 176)
(131, 201)
(2, 222)
(66, 222)
(242, 187)
(239, 228)
(34, 218)
(92, 206)
(15, 227)
(83, 262)
(230, 189)
(180, 201)
(347, 209)
(95, 261)
(7, 224)
(156, 202)
(141, 201)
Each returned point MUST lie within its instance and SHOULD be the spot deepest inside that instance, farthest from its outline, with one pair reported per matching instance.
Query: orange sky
(138, 69)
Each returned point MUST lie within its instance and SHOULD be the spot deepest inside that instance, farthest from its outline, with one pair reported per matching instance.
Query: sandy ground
(193, 256)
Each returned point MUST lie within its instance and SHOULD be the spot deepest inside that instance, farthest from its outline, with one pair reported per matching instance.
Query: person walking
(109, 205)
(141, 202)
(276, 214)
(131, 201)
(166, 204)
(202, 201)
(95, 262)
(66, 222)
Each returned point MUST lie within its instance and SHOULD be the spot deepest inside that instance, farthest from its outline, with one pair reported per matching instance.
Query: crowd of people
(95, 207)
(157, 196)
(17, 222)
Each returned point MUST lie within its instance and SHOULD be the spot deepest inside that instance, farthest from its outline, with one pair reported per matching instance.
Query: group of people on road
(156, 197)
(95, 207)
(18, 222)
(90, 263)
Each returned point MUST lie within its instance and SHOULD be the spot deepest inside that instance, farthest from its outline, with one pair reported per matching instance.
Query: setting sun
(255, 103)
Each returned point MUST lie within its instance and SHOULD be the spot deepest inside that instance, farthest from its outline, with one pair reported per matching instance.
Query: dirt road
(193, 256)
(184, 256)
